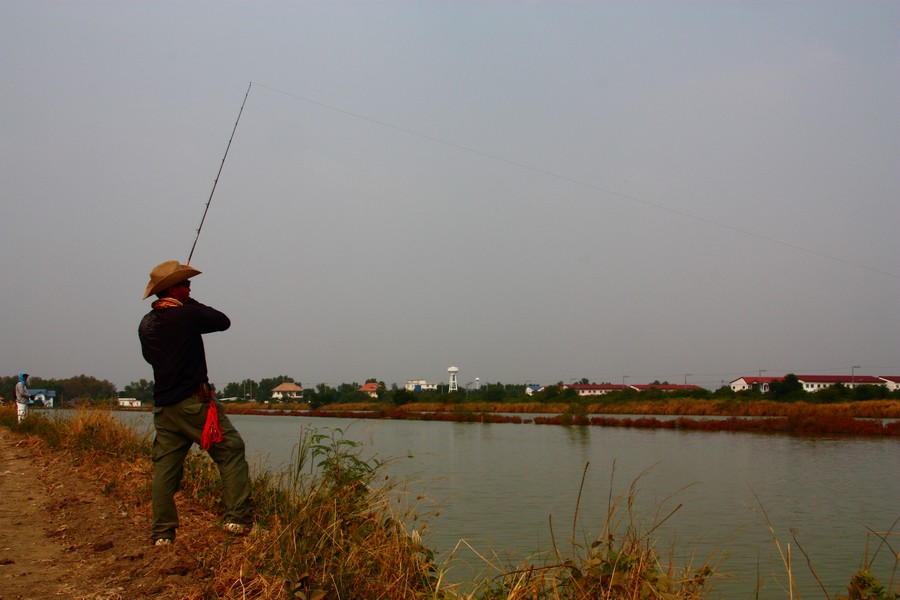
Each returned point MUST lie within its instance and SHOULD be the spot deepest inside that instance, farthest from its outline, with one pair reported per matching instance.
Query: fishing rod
(205, 210)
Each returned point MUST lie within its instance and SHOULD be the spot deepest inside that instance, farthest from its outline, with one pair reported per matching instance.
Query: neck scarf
(166, 303)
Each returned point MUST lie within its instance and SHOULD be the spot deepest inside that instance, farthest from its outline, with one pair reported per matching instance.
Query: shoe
(163, 542)
(237, 528)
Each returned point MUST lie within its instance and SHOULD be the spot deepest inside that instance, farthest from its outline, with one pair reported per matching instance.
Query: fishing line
(216, 182)
(589, 186)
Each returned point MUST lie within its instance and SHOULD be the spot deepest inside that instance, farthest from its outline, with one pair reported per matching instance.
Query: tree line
(88, 389)
(788, 390)
(77, 389)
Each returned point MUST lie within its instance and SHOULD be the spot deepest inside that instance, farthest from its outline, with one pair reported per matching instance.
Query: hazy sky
(531, 191)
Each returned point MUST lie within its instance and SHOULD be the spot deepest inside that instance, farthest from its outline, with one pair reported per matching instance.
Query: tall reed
(621, 562)
(864, 584)
(332, 526)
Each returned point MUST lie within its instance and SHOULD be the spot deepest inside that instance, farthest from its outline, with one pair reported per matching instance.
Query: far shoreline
(866, 409)
(871, 418)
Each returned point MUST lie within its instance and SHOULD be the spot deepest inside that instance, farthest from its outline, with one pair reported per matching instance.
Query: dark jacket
(171, 343)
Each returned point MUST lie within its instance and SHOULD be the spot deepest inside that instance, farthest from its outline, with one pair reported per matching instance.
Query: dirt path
(60, 537)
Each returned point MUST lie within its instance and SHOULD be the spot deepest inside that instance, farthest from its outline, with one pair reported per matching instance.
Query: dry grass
(883, 409)
(864, 585)
(479, 407)
(473, 407)
(332, 527)
(876, 409)
(796, 418)
(622, 562)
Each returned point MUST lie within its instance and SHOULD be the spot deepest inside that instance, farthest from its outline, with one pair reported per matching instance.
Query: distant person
(22, 396)
(185, 410)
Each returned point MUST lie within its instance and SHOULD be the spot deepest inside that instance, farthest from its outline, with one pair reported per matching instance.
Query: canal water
(509, 490)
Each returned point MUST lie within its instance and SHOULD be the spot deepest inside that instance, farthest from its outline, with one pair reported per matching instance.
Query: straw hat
(165, 275)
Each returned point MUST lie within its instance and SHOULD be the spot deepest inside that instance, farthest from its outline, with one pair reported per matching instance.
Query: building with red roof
(753, 383)
(370, 389)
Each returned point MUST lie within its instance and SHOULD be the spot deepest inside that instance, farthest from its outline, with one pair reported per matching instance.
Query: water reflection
(578, 435)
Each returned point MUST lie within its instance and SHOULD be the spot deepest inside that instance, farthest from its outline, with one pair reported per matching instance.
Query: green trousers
(178, 427)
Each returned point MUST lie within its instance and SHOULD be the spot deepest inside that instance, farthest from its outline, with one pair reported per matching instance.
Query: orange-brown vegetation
(856, 418)
(871, 409)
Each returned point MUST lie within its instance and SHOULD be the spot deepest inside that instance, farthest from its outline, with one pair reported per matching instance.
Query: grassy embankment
(343, 530)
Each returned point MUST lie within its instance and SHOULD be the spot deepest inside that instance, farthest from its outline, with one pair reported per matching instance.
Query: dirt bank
(61, 537)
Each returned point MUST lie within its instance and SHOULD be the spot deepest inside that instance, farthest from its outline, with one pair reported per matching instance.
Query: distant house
(531, 390)
(666, 387)
(420, 385)
(370, 389)
(601, 389)
(891, 381)
(753, 383)
(596, 389)
(815, 383)
(287, 391)
(130, 402)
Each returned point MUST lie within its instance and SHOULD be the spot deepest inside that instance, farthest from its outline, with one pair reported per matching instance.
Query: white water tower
(454, 386)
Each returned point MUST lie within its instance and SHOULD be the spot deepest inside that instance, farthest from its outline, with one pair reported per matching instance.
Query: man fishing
(185, 411)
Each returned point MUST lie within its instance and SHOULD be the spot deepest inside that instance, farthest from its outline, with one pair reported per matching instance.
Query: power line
(584, 184)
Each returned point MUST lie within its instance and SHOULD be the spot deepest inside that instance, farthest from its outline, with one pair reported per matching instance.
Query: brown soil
(61, 537)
